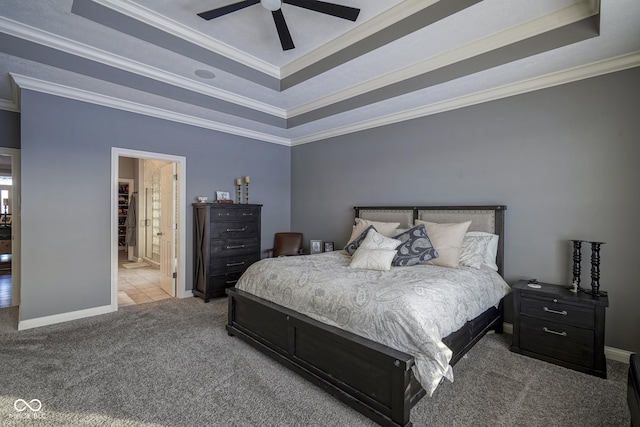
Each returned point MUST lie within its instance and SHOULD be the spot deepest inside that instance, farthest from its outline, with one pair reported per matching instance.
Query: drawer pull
(561, 313)
(229, 282)
(563, 334)
(234, 264)
(230, 230)
(224, 214)
(236, 247)
(247, 214)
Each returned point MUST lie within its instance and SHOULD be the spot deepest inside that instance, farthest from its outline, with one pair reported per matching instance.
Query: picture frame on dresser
(315, 246)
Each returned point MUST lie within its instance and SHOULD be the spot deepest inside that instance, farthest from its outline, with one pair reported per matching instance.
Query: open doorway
(9, 227)
(149, 208)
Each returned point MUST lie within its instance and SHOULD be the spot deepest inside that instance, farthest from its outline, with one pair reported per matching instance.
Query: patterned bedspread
(408, 308)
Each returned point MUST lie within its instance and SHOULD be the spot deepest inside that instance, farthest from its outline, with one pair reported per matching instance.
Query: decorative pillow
(385, 228)
(373, 259)
(375, 240)
(491, 252)
(473, 250)
(353, 245)
(447, 239)
(415, 248)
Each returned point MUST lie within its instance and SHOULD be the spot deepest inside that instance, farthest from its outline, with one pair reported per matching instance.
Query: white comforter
(408, 308)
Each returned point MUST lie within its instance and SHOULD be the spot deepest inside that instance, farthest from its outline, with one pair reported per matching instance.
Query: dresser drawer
(230, 230)
(557, 340)
(218, 284)
(233, 247)
(556, 311)
(244, 214)
(225, 265)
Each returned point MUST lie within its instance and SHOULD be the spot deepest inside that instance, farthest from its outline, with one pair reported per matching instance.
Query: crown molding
(611, 65)
(37, 85)
(532, 28)
(606, 66)
(9, 105)
(54, 41)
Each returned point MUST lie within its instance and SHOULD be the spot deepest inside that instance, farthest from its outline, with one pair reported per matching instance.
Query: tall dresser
(226, 242)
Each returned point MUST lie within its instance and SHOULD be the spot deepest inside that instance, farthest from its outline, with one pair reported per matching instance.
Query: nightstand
(553, 324)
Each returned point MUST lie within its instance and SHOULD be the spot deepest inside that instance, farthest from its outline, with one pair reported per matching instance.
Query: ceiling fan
(339, 11)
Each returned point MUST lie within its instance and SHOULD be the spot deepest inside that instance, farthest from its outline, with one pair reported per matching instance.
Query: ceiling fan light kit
(271, 5)
(275, 6)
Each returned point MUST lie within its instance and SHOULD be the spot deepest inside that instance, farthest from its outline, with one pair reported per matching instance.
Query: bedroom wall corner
(563, 160)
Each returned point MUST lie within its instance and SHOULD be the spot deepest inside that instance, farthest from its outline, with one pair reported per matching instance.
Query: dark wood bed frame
(372, 378)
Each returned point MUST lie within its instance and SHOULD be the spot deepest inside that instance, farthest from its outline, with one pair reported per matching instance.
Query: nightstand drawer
(557, 340)
(556, 311)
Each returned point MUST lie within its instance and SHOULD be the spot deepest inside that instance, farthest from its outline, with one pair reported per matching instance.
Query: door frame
(181, 253)
(15, 222)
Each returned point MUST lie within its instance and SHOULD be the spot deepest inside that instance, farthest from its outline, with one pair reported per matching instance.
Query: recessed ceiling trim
(166, 24)
(37, 85)
(532, 28)
(375, 25)
(54, 41)
(611, 65)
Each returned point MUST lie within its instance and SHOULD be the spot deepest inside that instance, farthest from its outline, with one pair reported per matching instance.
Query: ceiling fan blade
(214, 13)
(337, 10)
(283, 31)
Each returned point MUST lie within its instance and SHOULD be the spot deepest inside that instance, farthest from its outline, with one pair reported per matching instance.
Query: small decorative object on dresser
(223, 197)
(238, 190)
(328, 246)
(226, 242)
(315, 246)
(553, 324)
(247, 180)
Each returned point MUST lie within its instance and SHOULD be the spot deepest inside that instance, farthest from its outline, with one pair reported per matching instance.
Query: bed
(379, 380)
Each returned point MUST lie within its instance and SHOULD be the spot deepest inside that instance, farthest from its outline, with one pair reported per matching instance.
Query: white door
(167, 228)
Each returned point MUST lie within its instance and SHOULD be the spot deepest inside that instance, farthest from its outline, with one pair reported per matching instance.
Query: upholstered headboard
(489, 219)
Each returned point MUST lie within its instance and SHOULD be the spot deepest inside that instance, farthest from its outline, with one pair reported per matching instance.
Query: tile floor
(138, 285)
(135, 285)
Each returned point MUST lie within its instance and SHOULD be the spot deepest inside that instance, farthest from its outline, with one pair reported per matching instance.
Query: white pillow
(447, 239)
(473, 250)
(385, 228)
(375, 240)
(491, 252)
(372, 259)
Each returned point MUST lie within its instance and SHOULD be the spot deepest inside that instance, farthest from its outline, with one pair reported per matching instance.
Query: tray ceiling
(399, 60)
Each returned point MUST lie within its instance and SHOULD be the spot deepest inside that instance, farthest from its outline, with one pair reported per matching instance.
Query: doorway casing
(181, 206)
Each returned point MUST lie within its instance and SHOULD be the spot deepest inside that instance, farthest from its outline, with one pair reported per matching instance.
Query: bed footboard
(371, 378)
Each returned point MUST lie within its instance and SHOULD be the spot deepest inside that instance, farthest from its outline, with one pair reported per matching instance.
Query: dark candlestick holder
(577, 260)
(595, 268)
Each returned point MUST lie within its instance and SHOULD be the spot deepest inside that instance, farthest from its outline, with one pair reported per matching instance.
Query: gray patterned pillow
(415, 247)
(355, 243)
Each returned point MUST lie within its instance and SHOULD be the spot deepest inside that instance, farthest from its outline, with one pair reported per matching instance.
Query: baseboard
(617, 354)
(63, 317)
(610, 353)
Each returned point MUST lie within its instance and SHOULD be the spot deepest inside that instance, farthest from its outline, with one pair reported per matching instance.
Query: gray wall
(66, 176)
(564, 160)
(9, 129)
